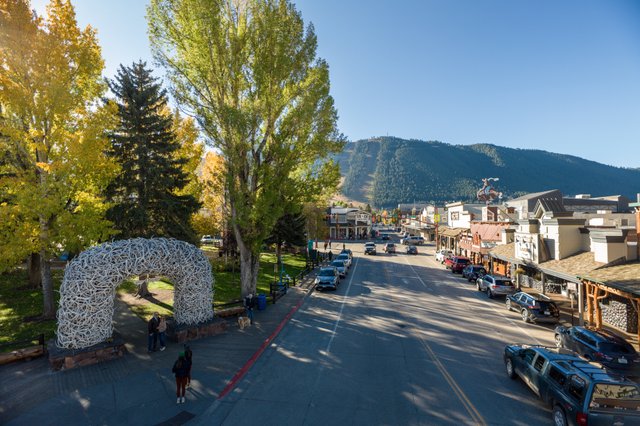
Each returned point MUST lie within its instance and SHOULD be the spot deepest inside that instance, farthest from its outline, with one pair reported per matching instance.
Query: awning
(625, 277)
(504, 252)
(451, 232)
(570, 268)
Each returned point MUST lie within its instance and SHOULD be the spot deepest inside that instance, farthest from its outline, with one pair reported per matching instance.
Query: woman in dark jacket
(181, 370)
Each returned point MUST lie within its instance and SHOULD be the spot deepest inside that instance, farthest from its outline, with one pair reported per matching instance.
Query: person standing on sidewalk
(152, 327)
(162, 330)
(249, 303)
(181, 370)
(188, 355)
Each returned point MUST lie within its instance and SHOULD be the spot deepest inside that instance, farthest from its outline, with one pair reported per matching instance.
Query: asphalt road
(401, 342)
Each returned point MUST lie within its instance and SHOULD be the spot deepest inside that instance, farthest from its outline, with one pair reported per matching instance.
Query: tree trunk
(249, 266)
(143, 289)
(33, 266)
(49, 310)
(279, 261)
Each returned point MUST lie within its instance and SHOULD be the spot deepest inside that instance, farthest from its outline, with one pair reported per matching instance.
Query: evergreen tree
(146, 194)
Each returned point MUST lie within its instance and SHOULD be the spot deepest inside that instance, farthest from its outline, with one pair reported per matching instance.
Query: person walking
(181, 370)
(249, 303)
(162, 331)
(188, 355)
(152, 327)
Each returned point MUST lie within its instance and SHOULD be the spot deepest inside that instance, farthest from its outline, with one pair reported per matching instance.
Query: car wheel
(489, 293)
(558, 341)
(509, 366)
(559, 419)
(508, 303)
(525, 315)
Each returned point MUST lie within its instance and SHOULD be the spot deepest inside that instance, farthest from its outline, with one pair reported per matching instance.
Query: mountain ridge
(386, 171)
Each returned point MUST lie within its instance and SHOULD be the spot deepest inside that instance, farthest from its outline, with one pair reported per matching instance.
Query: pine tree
(146, 195)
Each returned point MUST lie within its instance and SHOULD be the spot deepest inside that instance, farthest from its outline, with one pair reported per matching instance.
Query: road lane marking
(471, 409)
(344, 299)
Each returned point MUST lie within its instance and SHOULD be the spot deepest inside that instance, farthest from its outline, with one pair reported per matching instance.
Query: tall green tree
(52, 166)
(248, 72)
(147, 196)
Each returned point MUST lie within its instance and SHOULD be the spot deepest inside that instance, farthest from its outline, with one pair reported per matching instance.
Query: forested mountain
(386, 171)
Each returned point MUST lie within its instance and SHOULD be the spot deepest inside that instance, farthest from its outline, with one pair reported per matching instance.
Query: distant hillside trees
(407, 171)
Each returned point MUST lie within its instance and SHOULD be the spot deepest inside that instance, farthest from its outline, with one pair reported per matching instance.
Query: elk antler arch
(88, 291)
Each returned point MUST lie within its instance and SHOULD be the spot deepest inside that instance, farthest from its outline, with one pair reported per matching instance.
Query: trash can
(262, 302)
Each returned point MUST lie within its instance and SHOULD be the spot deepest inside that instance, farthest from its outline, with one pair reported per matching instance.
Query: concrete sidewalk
(139, 388)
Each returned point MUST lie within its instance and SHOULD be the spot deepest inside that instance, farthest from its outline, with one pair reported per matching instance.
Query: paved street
(402, 341)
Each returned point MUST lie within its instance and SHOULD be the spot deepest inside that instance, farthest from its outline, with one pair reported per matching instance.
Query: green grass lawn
(18, 303)
(20, 307)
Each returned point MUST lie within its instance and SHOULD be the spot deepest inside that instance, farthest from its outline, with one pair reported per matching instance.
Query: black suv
(579, 392)
(602, 346)
(533, 307)
(473, 272)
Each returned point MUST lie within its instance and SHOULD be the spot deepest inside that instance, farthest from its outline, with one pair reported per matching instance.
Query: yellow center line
(471, 409)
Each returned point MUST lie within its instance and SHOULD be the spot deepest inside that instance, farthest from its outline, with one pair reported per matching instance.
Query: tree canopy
(248, 72)
(52, 133)
(146, 195)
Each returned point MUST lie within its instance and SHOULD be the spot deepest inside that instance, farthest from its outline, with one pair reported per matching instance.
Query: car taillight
(602, 356)
(531, 307)
(581, 419)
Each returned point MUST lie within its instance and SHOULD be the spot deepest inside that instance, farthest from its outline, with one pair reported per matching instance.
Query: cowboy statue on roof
(487, 193)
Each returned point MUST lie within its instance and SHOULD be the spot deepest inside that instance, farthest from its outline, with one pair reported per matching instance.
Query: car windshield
(504, 282)
(463, 261)
(327, 273)
(615, 396)
(478, 269)
(338, 263)
(610, 347)
(343, 256)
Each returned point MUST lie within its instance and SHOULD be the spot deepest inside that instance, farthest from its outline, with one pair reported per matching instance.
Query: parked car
(341, 267)
(206, 239)
(441, 255)
(495, 285)
(370, 248)
(473, 272)
(412, 240)
(385, 237)
(390, 248)
(458, 263)
(412, 249)
(327, 278)
(347, 251)
(346, 258)
(603, 346)
(578, 392)
(533, 307)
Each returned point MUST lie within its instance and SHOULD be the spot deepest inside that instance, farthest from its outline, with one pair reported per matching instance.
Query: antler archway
(87, 294)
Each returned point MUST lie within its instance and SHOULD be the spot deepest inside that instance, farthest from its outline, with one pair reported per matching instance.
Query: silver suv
(495, 285)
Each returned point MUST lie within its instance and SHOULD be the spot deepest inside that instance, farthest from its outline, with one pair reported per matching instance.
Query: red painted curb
(236, 378)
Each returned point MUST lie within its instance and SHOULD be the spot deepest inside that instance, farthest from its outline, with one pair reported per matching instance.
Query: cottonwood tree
(148, 194)
(248, 72)
(52, 165)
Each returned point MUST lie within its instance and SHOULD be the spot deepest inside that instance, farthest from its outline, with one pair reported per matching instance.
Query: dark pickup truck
(579, 392)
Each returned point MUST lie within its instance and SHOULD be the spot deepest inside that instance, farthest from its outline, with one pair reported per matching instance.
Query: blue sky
(561, 76)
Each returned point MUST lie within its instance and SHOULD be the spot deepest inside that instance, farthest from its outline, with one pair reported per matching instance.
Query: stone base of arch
(180, 333)
(66, 359)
